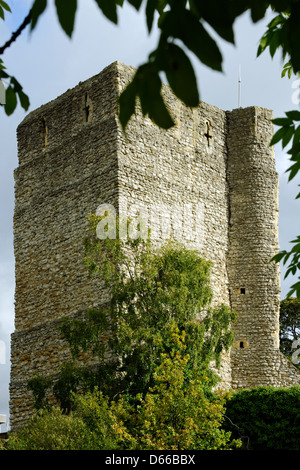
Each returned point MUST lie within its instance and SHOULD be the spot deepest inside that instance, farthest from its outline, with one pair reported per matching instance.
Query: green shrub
(52, 430)
(268, 418)
(177, 413)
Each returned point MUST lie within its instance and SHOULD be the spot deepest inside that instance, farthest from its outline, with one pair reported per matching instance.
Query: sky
(47, 63)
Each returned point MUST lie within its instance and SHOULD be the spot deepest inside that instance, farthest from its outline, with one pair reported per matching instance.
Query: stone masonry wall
(253, 241)
(210, 181)
(67, 165)
(176, 182)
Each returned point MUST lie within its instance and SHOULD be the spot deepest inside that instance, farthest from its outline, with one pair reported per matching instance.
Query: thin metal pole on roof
(239, 87)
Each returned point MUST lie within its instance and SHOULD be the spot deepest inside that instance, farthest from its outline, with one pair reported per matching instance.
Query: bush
(268, 418)
(52, 430)
(177, 413)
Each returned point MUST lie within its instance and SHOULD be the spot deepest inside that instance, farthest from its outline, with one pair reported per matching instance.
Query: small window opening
(243, 290)
(242, 345)
(44, 133)
(87, 108)
(207, 133)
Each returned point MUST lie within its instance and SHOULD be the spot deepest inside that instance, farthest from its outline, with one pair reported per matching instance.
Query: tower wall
(253, 235)
(176, 180)
(209, 182)
(67, 165)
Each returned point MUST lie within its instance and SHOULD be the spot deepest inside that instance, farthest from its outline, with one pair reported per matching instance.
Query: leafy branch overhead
(187, 29)
(184, 28)
(3, 7)
(182, 21)
(289, 131)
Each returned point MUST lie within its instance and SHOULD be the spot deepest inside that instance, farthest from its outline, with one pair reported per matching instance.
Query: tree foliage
(265, 418)
(290, 132)
(176, 413)
(51, 430)
(184, 31)
(289, 324)
(148, 291)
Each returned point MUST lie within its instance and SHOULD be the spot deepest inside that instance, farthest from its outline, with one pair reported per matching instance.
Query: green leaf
(146, 85)
(294, 115)
(274, 36)
(263, 44)
(136, 3)
(11, 101)
(37, 9)
(16, 85)
(295, 157)
(182, 24)
(278, 135)
(282, 121)
(293, 35)
(296, 248)
(294, 169)
(274, 22)
(287, 68)
(149, 89)
(287, 136)
(5, 6)
(274, 43)
(127, 101)
(3, 74)
(180, 74)
(109, 9)
(218, 14)
(151, 6)
(278, 257)
(258, 9)
(66, 11)
(294, 288)
(24, 100)
(295, 149)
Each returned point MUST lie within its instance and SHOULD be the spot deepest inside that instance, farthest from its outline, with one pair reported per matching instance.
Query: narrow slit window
(243, 290)
(242, 346)
(44, 133)
(208, 133)
(87, 108)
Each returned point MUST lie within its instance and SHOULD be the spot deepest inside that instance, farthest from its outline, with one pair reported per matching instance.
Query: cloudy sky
(47, 63)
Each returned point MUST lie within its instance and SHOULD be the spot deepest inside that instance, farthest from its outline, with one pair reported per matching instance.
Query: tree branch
(15, 35)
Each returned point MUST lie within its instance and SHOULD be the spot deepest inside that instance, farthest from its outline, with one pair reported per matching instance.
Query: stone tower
(210, 181)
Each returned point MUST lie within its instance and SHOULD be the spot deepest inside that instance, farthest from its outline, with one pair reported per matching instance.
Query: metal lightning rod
(239, 87)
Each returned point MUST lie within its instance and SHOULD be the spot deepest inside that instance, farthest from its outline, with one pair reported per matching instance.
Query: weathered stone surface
(218, 194)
